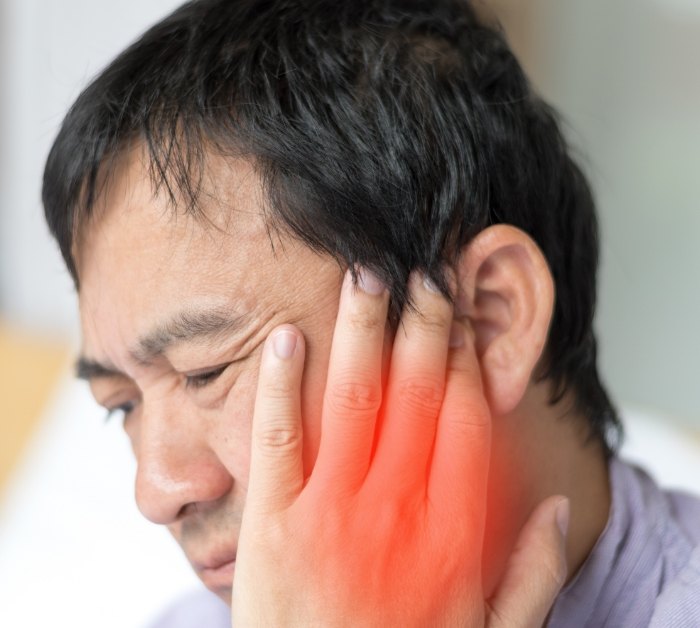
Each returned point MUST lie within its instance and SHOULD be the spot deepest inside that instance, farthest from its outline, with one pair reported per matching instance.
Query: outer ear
(506, 290)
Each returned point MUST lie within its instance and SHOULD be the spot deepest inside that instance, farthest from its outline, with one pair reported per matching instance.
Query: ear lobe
(506, 290)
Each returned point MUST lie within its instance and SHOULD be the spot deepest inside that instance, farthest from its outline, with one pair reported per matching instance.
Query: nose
(177, 469)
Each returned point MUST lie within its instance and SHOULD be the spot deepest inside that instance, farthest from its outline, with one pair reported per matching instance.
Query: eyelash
(125, 409)
(203, 379)
(191, 381)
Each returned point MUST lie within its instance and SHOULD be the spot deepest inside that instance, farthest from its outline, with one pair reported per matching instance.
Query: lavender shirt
(645, 568)
(644, 571)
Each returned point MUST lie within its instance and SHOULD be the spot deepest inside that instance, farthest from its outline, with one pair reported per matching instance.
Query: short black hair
(387, 133)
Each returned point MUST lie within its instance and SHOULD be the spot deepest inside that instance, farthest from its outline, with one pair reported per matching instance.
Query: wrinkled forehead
(145, 262)
(220, 196)
(143, 257)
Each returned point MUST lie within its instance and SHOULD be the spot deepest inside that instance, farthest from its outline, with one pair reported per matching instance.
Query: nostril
(188, 509)
(172, 483)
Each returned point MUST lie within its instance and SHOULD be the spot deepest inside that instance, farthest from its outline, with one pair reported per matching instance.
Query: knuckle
(552, 580)
(553, 568)
(279, 387)
(421, 394)
(434, 322)
(278, 438)
(362, 319)
(556, 570)
(354, 396)
(469, 422)
(502, 618)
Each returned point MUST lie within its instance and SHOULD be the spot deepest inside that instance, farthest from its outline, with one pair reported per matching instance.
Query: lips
(216, 571)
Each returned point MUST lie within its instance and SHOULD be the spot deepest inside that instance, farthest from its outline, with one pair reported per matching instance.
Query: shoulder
(194, 610)
(668, 521)
(645, 568)
(679, 603)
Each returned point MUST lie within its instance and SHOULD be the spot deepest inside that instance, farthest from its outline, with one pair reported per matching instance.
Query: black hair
(387, 133)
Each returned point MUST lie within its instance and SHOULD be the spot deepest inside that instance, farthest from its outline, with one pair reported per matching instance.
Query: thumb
(536, 569)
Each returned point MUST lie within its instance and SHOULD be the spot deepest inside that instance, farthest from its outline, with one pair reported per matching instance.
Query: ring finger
(416, 386)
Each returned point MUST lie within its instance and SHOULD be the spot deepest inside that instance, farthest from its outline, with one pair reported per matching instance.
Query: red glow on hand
(389, 527)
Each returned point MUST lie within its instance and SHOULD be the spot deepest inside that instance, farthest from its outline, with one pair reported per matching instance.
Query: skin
(191, 423)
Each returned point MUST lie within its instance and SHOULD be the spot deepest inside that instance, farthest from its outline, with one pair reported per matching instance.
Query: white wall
(623, 71)
(50, 48)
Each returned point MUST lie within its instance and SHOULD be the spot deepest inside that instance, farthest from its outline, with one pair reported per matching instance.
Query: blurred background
(624, 75)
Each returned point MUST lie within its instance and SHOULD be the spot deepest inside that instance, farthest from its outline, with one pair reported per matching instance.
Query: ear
(506, 290)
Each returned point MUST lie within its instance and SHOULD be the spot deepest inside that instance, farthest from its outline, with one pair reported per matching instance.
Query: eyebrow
(88, 369)
(186, 326)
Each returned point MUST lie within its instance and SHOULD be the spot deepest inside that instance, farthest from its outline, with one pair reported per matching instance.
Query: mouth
(216, 572)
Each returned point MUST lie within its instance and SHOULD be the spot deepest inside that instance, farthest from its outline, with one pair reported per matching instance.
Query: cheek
(233, 425)
(313, 387)
(234, 421)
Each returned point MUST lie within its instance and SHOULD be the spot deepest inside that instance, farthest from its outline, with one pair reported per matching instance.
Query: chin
(224, 596)
(223, 592)
(219, 580)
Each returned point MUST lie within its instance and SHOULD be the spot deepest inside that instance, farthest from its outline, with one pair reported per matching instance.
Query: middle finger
(416, 387)
(353, 389)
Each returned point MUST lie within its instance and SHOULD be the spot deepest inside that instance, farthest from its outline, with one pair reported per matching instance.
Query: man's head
(217, 177)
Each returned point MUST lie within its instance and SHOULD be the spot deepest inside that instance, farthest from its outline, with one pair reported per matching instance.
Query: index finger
(276, 470)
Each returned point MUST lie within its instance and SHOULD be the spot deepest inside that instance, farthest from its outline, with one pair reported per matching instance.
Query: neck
(538, 451)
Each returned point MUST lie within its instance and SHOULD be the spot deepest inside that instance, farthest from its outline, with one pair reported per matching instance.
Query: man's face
(174, 312)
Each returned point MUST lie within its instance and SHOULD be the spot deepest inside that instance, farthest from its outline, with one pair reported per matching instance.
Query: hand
(388, 528)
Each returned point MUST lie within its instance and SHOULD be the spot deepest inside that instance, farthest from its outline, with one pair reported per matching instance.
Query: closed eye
(124, 409)
(200, 380)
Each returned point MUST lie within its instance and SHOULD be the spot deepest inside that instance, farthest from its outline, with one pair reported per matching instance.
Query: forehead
(131, 210)
(141, 260)
(138, 236)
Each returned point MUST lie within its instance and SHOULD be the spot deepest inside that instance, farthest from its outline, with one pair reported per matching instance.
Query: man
(336, 265)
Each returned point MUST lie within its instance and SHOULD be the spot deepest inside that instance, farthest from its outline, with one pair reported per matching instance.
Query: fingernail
(369, 282)
(562, 514)
(430, 285)
(284, 343)
(456, 335)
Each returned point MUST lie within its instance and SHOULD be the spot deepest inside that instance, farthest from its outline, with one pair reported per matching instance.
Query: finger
(353, 392)
(536, 570)
(276, 473)
(415, 388)
(460, 461)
